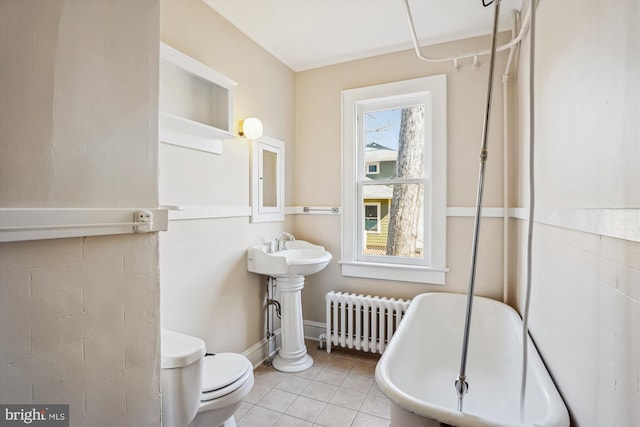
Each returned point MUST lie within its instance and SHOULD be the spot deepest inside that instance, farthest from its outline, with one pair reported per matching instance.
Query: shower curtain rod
(475, 55)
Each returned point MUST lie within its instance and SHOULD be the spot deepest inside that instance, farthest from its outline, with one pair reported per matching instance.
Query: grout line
(326, 364)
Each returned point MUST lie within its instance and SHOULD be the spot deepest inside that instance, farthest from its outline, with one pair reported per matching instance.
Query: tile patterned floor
(337, 391)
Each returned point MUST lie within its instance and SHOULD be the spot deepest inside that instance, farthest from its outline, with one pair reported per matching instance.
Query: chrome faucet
(281, 244)
(269, 246)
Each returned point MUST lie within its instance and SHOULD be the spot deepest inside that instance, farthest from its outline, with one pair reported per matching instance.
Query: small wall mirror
(267, 176)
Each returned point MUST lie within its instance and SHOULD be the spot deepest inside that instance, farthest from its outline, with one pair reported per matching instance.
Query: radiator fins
(361, 322)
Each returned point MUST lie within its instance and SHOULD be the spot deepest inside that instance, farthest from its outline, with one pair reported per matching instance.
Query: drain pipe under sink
(269, 321)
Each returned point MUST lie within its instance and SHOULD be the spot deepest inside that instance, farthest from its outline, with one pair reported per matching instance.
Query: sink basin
(299, 259)
(289, 267)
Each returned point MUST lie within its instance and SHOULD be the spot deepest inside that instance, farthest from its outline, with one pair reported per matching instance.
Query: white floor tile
(338, 391)
(257, 392)
(366, 420)
(293, 384)
(305, 408)
(277, 400)
(336, 416)
(258, 417)
(376, 405)
(243, 409)
(357, 382)
(319, 391)
(331, 376)
(347, 398)
(289, 421)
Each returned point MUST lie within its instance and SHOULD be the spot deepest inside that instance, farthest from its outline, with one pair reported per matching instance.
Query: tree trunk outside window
(407, 198)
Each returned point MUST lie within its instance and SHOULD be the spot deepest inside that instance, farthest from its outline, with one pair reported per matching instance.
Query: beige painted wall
(76, 303)
(206, 289)
(60, 159)
(585, 307)
(318, 157)
(79, 317)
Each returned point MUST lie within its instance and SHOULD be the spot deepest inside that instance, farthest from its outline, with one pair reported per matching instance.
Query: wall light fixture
(251, 128)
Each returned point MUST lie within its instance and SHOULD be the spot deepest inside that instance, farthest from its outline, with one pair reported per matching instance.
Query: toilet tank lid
(179, 350)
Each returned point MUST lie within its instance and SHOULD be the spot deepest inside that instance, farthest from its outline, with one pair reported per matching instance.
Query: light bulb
(252, 128)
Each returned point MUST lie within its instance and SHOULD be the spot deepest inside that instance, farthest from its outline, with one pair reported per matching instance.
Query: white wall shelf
(183, 132)
(196, 103)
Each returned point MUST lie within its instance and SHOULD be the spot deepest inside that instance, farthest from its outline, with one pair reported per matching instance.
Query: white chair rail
(19, 224)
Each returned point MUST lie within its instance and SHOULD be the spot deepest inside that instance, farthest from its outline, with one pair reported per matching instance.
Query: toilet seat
(222, 374)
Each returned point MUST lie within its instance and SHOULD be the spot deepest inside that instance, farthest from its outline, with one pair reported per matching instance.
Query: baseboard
(259, 352)
(313, 330)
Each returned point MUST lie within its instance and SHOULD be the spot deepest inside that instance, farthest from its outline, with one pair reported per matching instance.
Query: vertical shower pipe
(505, 161)
(461, 383)
(532, 203)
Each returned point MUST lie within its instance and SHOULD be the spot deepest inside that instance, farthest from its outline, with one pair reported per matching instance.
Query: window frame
(355, 102)
(378, 207)
(377, 165)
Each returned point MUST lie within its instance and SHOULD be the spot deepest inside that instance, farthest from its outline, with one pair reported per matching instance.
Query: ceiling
(307, 34)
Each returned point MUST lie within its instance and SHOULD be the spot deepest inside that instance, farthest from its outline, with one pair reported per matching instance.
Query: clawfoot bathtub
(419, 367)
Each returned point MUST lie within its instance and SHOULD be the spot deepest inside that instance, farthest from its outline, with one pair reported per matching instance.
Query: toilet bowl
(227, 378)
(199, 390)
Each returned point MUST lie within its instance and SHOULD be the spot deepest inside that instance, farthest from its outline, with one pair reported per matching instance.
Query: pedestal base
(292, 356)
(288, 365)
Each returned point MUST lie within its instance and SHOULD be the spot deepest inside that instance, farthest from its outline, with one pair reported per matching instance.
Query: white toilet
(199, 390)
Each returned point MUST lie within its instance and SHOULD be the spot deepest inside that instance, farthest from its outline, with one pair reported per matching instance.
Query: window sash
(376, 218)
(381, 105)
(393, 259)
(382, 97)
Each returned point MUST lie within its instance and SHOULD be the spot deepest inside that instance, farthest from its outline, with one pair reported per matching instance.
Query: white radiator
(362, 322)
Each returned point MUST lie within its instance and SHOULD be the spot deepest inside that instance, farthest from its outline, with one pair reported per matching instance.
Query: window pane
(371, 211)
(400, 221)
(371, 218)
(371, 224)
(394, 141)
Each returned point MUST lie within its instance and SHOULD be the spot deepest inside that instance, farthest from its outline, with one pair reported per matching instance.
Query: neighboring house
(380, 163)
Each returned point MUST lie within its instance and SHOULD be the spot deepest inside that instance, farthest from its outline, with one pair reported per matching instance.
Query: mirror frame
(259, 212)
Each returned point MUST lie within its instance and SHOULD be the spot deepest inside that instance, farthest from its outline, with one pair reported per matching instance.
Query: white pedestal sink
(289, 267)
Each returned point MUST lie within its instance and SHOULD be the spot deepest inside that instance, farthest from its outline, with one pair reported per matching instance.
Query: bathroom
(80, 316)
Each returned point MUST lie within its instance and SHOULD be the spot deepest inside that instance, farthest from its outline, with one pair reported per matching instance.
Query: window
(373, 168)
(372, 217)
(394, 199)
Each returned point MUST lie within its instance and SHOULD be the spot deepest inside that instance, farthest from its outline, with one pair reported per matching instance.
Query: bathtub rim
(557, 415)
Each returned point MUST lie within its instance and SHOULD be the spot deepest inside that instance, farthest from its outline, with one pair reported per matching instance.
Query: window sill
(402, 273)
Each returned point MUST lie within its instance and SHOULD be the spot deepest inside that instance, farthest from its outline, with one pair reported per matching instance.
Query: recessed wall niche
(196, 103)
